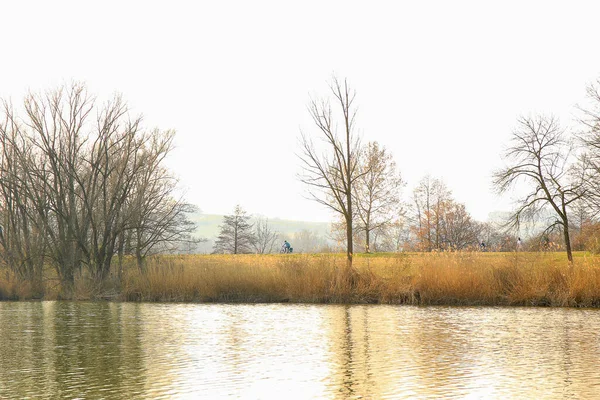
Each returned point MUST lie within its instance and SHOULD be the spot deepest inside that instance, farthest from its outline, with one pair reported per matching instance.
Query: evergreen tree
(236, 236)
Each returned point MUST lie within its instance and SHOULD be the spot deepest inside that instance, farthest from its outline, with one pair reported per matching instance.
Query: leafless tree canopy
(377, 191)
(539, 155)
(591, 112)
(331, 174)
(430, 198)
(80, 183)
(396, 235)
(264, 236)
(590, 139)
(439, 221)
(459, 230)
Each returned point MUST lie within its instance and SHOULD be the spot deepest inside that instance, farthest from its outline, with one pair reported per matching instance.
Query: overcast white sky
(439, 83)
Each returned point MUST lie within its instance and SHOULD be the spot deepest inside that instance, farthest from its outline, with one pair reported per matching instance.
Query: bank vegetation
(452, 278)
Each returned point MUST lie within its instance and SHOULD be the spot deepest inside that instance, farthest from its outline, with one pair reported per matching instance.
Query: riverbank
(502, 279)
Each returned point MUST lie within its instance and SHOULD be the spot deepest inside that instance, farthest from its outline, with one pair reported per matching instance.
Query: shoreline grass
(462, 278)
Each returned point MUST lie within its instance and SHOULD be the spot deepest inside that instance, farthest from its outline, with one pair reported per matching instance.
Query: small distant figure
(482, 246)
(286, 247)
(519, 244)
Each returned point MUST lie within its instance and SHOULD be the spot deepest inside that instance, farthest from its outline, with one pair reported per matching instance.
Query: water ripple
(163, 351)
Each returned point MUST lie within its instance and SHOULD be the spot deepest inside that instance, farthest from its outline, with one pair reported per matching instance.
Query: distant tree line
(83, 183)
(359, 182)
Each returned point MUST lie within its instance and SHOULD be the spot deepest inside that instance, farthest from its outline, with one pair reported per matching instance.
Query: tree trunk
(565, 222)
(67, 283)
(235, 240)
(568, 242)
(140, 259)
(120, 254)
(349, 247)
(106, 268)
(367, 235)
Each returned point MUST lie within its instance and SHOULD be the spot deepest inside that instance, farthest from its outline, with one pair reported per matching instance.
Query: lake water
(127, 351)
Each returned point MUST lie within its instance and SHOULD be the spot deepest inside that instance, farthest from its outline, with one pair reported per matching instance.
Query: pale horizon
(439, 84)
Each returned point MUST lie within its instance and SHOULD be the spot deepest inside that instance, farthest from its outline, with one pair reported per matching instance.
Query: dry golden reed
(415, 278)
(12, 288)
(458, 278)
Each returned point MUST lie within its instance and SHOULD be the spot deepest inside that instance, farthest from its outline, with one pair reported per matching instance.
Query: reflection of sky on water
(114, 350)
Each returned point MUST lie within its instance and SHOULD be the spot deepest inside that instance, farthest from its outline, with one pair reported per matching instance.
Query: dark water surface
(71, 350)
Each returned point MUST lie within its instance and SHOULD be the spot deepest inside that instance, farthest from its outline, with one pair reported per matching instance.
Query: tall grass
(435, 278)
(535, 279)
(11, 288)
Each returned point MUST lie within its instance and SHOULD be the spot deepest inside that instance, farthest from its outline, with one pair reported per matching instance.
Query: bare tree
(377, 191)
(591, 143)
(264, 236)
(459, 230)
(156, 221)
(439, 222)
(72, 200)
(539, 155)
(395, 235)
(430, 199)
(236, 236)
(22, 243)
(332, 174)
(53, 128)
(591, 113)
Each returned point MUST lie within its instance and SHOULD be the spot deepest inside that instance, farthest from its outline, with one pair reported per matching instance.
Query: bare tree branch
(331, 174)
(539, 154)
